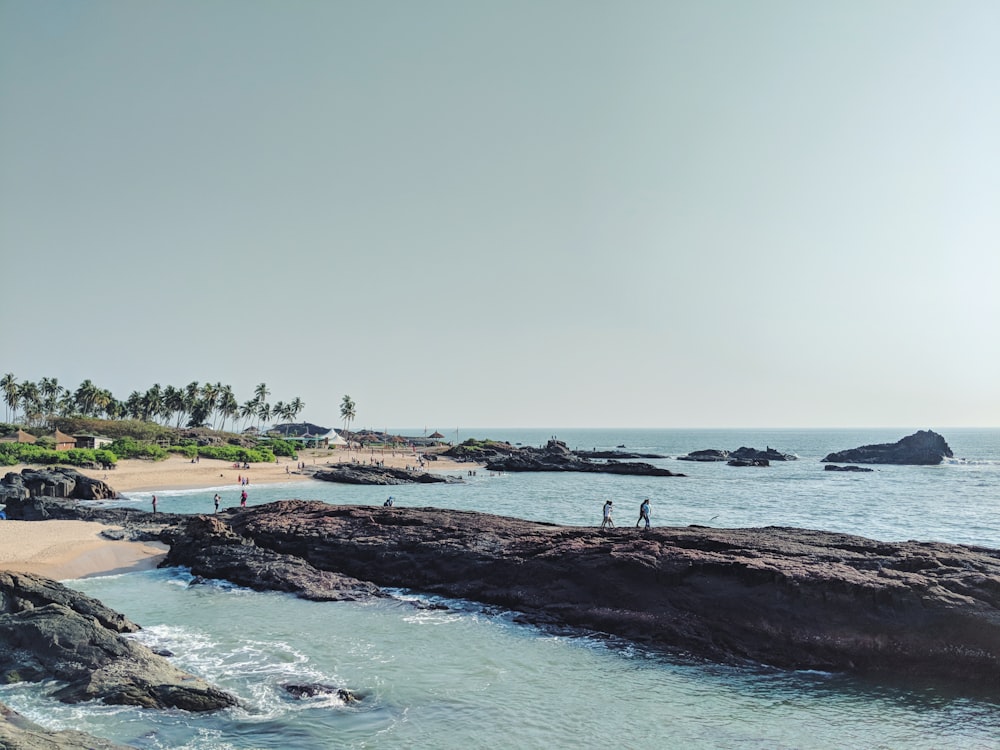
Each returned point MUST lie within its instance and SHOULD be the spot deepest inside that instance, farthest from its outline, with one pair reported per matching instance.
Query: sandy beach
(75, 549)
(70, 549)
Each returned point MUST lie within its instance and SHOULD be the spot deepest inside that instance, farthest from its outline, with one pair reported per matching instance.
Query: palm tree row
(194, 405)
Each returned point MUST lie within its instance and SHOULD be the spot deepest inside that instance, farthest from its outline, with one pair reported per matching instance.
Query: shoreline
(179, 473)
(64, 550)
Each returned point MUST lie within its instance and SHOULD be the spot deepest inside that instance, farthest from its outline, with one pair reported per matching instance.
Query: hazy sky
(529, 213)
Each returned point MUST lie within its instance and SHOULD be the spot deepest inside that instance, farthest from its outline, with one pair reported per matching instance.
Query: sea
(471, 676)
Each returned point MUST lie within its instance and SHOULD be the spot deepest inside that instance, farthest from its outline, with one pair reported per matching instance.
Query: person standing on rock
(643, 513)
(217, 498)
(608, 507)
(154, 503)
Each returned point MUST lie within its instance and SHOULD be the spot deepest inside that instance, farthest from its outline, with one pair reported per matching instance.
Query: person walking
(217, 498)
(608, 507)
(643, 513)
(243, 499)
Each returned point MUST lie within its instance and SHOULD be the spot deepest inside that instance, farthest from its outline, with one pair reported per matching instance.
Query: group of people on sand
(608, 521)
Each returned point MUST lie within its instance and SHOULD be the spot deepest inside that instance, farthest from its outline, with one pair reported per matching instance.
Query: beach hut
(64, 442)
(19, 437)
(93, 442)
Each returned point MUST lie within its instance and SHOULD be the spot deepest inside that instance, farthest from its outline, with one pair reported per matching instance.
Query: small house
(94, 442)
(64, 442)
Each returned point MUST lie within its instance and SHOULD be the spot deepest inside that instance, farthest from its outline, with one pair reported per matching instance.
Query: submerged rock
(833, 467)
(923, 448)
(793, 598)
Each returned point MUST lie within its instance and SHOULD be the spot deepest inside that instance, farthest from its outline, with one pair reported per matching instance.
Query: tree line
(194, 405)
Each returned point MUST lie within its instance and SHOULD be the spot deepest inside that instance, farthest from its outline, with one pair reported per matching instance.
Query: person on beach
(154, 503)
(217, 498)
(643, 513)
(608, 507)
(243, 499)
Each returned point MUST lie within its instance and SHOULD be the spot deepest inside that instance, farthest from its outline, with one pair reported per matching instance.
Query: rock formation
(793, 598)
(366, 474)
(707, 455)
(834, 467)
(58, 482)
(922, 448)
(742, 456)
(50, 632)
(555, 456)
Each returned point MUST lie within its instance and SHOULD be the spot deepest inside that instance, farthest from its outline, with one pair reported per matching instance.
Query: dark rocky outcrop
(20, 733)
(748, 462)
(58, 482)
(922, 448)
(834, 467)
(789, 597)
(768, 454)
(707, 455)
(555, 456)
(742, 456)
(211, 549)
(616, 455)
(367, 474)
(50, 632)
(312, 689)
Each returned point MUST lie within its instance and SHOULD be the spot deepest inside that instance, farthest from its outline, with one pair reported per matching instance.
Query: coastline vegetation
(189, 421)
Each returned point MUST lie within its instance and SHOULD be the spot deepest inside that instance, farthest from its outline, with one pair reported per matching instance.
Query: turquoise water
(471, 676)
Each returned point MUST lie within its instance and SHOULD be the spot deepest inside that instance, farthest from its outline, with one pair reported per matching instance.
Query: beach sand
(74, 549)
(71, 549)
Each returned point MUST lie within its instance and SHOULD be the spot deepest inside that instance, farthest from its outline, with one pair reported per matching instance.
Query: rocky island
(922, 448)
(555, 456)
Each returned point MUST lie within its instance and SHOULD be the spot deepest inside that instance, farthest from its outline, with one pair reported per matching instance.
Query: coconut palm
(31, 401)
(347, 412)
(295, 408)
(51, 391)
(8, 383)
(263, 414)
(249, 409)
(227, 405)
(153, 403)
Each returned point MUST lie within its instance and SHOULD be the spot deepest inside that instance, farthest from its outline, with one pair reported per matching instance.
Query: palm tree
(51, 391)
(133, 405)
(173, 401)
(153, 403)
(31, 401)
(249, 409)
(85, 397)
(295, 408)
(9, 385)
(347, 412)
(264, 414)
(210, 393)
(227, 405)
(261, 392)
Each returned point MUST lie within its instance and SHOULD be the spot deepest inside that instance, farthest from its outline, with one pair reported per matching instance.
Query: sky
(515, 214)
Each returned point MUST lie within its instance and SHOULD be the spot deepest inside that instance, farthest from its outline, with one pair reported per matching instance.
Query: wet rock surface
(51, 632)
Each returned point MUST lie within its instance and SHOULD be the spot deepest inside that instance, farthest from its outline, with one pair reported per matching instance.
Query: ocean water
(470, 676)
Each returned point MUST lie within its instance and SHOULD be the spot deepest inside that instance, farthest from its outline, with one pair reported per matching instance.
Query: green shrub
(127, 447)
(188, 451)
(236, 454)
(280, 447)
